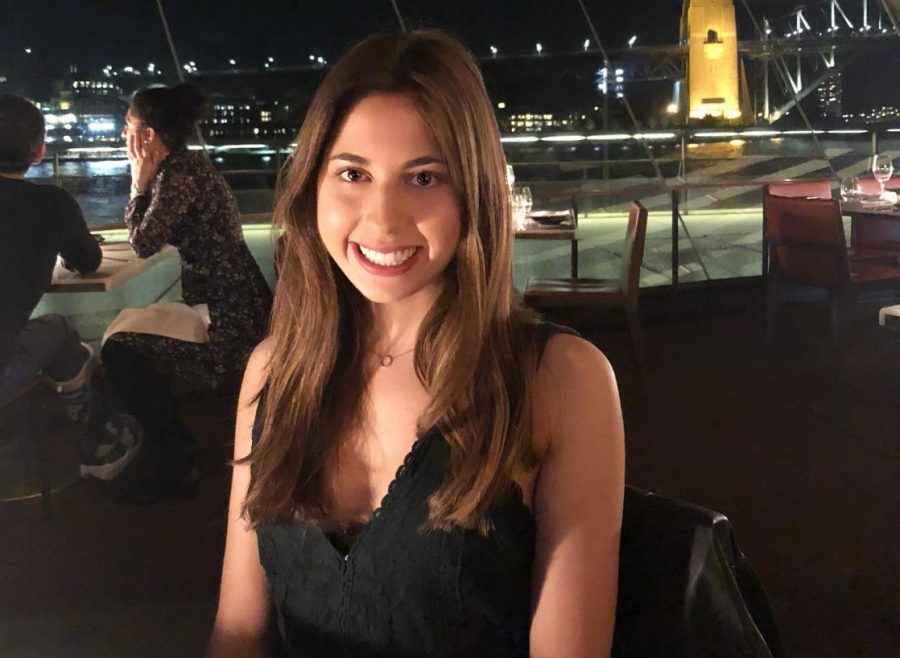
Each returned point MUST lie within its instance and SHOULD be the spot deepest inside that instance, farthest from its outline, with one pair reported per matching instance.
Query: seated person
(178, 198)
(37, 223)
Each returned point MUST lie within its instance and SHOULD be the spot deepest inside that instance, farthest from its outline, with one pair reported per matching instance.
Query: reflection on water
(101, 187)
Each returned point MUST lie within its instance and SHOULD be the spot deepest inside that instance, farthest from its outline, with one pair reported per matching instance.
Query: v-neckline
(401, 474)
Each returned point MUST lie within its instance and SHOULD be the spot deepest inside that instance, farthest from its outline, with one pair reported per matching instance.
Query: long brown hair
(474, 353)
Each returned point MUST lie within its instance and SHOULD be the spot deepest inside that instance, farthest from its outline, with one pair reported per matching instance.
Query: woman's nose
(386, 208)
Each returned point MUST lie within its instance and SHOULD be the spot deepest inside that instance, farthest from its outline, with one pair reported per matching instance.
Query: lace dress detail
(400, 592)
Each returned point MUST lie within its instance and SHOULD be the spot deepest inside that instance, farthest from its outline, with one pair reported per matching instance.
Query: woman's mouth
(387, 258)
(387, 261)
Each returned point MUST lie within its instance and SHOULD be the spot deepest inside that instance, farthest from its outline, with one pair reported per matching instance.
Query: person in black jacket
(37, 223)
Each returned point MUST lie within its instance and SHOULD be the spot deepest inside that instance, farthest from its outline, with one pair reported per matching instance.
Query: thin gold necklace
(387, 359)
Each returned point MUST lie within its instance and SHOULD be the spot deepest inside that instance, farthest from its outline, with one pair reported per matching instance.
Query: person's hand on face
(144, 159)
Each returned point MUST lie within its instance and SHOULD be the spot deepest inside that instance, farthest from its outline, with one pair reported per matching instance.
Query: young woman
(178, 198)
(421, 468)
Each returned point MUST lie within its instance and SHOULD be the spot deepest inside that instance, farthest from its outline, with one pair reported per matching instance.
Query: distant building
(245, 118)
(829, 97)
(86, 111)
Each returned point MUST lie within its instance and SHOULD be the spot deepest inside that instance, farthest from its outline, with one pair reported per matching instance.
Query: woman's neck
(395, 326)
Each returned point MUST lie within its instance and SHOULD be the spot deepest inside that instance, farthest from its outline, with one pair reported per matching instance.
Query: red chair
(808, 248)
(818, 189)
(871, 186)
(621, 293)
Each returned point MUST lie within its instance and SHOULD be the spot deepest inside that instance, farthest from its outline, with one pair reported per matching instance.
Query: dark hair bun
(171, 112)
(189, 101)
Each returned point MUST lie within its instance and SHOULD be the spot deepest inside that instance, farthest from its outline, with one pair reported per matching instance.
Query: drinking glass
(527, 199)
(882, 170)
(851, 188)
(519, 214)
(510, 176)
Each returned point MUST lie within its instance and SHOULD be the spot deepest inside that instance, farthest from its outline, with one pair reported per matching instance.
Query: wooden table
(120, 264)
(873, 228)
(565, 230)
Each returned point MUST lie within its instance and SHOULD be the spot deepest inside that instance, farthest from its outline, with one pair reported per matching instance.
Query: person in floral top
(178, 198)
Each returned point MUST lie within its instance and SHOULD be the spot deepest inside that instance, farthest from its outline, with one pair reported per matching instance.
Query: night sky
(118, 32)
(91, 34)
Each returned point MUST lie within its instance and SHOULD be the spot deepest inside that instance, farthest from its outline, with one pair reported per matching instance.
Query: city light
(232, 62)
(501, 105)
(538, 47)
(587, 44)
(610, 137)
(672, 108)
(519, 140)
(564, 138)
(632, 40)
(494, 51)
(28, 51)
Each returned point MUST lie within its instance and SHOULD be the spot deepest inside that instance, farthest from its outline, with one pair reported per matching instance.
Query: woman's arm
(577, 501)
(241, 620)
(153, 216)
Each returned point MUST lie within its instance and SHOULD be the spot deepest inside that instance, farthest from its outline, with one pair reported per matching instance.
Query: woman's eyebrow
(415, 162)
(349, 157)
(424, 160)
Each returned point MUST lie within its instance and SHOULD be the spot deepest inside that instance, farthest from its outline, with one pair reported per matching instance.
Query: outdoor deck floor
(797, 446)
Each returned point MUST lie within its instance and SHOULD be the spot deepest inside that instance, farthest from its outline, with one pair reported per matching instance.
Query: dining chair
(621, 293)
(813, 189)
(25, 423)
(685, 587)
(871, 186)
(808, 248)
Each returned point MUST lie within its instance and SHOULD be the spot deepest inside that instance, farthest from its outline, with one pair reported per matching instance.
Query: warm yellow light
(65, 105)
(737, 142)
(672, 108)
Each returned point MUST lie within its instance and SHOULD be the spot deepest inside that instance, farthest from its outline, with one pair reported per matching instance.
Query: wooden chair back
(633, 253)
(820, 189)
(806, 241)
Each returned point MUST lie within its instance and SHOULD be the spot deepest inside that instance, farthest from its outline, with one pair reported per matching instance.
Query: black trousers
(147, 394)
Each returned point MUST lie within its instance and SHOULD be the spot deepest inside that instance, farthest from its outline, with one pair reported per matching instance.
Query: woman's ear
(149, 135)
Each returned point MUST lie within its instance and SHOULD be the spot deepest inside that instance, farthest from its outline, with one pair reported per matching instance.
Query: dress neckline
(411, 460)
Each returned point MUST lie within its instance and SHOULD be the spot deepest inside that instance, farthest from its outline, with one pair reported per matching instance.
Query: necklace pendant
(386, 360)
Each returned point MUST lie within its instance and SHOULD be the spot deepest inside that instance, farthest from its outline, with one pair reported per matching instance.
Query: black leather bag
(685, 588)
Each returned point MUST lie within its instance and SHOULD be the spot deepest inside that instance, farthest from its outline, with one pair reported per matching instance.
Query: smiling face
(386, 210)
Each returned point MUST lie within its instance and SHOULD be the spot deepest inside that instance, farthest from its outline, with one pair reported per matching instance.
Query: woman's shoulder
(573, 378)
(256, 374)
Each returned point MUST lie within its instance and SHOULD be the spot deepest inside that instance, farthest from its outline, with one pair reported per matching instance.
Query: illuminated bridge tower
(708, 26)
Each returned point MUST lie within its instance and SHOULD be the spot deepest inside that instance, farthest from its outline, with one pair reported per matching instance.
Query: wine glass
(851, 188)
(882, 170)
(527, 199)
(517, 201)
(510, 176)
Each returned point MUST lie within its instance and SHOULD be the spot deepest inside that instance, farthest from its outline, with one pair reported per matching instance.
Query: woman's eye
(351, 175)
(425, 179)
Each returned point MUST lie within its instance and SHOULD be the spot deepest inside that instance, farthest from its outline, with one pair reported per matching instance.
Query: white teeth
(389, 259)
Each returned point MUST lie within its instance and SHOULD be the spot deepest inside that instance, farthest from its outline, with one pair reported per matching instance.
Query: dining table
(120, 263)
(552, 225)
(873, 225)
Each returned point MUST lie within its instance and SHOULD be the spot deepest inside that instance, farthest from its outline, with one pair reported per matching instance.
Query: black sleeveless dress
(401, 593)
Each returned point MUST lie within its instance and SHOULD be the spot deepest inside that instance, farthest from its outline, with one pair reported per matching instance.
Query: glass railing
(719, 175)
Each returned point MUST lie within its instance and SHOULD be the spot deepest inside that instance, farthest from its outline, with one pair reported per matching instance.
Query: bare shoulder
(257, 371)
(255, 375)
(575, 384)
